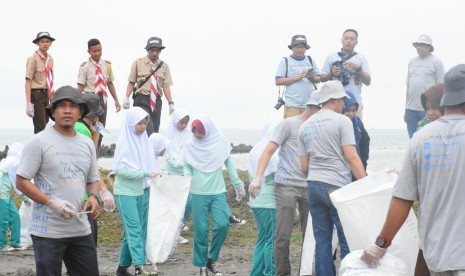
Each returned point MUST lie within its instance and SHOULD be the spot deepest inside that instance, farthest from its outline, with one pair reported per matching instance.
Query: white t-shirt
(61, 167)
(433, 173)
(321, 139)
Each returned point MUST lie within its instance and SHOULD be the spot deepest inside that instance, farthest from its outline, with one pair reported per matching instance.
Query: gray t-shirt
(288, 170)
(422, 74)
(61, 167)
(321, 139)
(433, 173)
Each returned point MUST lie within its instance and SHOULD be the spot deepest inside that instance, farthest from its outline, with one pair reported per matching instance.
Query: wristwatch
(382, 242)
(97, 197)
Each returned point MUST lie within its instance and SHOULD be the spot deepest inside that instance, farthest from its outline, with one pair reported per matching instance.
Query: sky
(223, 55)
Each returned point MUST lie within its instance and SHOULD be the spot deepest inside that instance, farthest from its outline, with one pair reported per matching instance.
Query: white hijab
(133, 151)
(159, 143)
(178, 138)
(208, 154)
(11, 162)
(257, 150)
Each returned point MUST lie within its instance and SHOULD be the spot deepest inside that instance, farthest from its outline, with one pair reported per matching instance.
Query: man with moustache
(150, 85)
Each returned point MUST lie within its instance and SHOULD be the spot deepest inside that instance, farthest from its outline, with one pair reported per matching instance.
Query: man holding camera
(298, 73)
(349, 67)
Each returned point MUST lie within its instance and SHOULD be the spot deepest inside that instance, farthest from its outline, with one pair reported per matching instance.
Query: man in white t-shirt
(327, 157)
(433, 174)
(64, 166)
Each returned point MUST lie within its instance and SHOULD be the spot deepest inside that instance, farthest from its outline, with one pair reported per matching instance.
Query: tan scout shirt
(35, 70)
(87, 75)
(141, 69)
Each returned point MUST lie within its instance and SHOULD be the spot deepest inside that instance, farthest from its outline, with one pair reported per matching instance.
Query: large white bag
(352, 265)
(168, 196)
(25, 214)
(362, 207)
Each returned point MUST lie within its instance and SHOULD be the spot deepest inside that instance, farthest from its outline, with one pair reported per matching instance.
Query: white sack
(362, 207)
(352, 265)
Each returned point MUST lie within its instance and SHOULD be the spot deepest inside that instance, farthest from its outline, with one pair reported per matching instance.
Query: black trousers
(143, 101)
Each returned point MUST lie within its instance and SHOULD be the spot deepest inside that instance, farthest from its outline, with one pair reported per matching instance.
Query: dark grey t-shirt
(61, 167)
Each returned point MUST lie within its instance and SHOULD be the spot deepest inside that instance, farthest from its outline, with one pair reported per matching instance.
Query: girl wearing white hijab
(204, 156)
(264, 207)
(133, 162)
(9, 216)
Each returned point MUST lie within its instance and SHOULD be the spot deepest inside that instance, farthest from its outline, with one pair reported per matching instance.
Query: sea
(387, 146)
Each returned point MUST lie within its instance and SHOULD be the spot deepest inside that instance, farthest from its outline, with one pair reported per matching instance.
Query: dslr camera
(344, 76)
(279, 103)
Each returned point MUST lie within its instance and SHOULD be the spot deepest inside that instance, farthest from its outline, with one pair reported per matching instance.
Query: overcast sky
(223, 55)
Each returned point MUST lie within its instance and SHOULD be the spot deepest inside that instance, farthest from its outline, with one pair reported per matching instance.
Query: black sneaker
(203, 272)
(141, 271)
(123, 271)
(211, 265)
(235, 221)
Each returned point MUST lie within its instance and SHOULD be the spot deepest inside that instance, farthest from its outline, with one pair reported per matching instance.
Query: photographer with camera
(349, 67)
(298, 73)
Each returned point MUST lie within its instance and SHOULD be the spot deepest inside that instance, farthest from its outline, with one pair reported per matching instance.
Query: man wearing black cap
(149, 85)
(433, 174)
(39, 70)
(298, 73)
(64, 167)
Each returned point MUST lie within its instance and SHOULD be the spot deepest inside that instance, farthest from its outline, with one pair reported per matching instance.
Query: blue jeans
(78, 253)
(412, 117)
(324, 218)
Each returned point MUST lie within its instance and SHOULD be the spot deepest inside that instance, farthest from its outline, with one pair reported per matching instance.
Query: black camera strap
(345, 58)
(139, 85)
(309, 59)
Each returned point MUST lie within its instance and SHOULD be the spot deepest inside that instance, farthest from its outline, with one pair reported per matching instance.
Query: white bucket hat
(314, 98)
(424, 39)
(332, 90)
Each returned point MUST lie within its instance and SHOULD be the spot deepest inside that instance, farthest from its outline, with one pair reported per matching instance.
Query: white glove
(240, 193)
(62, 208)
(372, 254)
(172, 109)
(255, 187)
(27, 202)
(126, 103)
(30, 109)
(108, 200)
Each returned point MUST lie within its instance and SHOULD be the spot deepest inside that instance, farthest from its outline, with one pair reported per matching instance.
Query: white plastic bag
(168, 196)
(362, 207)
(25, 214)
(352, 265)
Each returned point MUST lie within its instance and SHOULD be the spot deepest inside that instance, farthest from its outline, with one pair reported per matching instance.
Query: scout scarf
(100, 85)
(153, 89)
(48, 74)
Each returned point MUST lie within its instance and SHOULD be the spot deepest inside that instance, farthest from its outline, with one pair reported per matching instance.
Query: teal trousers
(131, 210)
(9, 218)
(202, 207)
(188, 210)
(263, 255)
(145, 214)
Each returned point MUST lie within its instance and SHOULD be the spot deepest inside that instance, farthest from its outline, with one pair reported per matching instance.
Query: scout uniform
(35, 71)
(87, 78)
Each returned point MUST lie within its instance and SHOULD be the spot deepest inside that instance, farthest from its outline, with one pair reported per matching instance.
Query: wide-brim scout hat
(154, 42)
(67, 93)
(424, 39)
(298, 39)
(332, 90)
(42, 35)
(93, 103)
(454, 86)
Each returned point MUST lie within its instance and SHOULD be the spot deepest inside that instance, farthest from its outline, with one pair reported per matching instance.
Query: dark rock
(4, 153)
(241, 148)
(107, 151)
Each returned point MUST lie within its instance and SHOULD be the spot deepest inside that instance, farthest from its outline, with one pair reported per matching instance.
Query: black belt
(40, 90)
